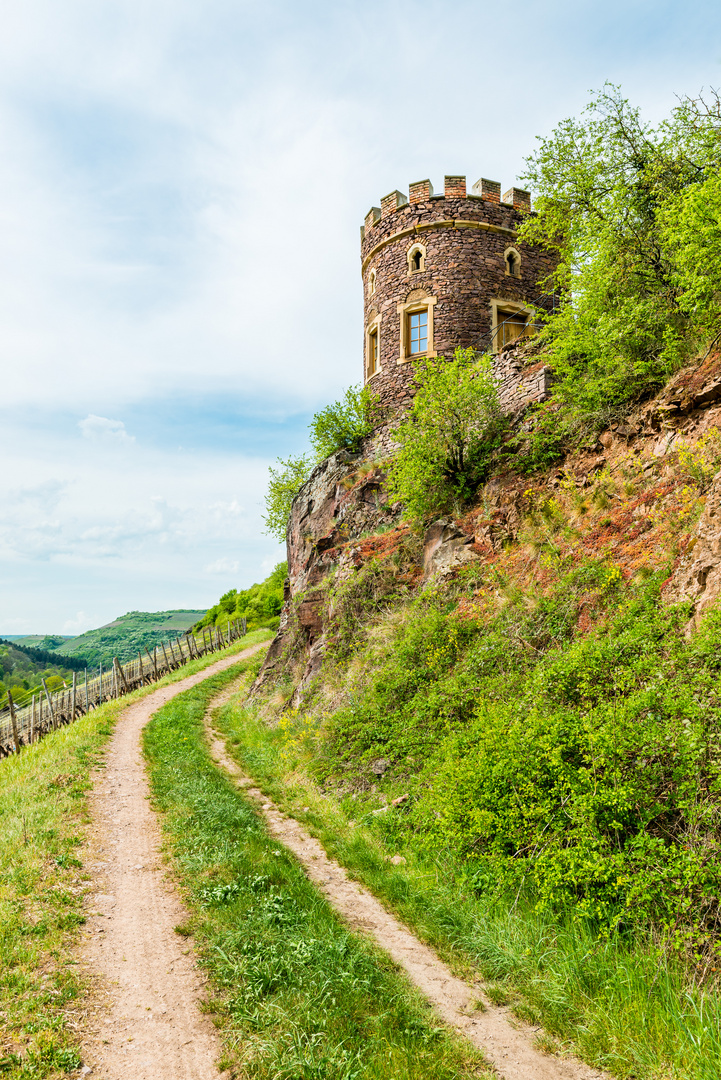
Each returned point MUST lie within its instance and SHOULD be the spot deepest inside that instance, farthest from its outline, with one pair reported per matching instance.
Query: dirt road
(152, 1027)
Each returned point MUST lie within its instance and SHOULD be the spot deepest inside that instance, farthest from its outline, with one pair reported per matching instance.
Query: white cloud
(78, 625)
(222, 566)
(102, 428)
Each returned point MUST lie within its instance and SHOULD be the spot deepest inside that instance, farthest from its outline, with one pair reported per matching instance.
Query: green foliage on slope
(583, 771)
(22, 671)
(260, 605)
(446, 442)
(343, 425)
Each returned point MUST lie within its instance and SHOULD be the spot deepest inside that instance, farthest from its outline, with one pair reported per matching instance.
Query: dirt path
(508, 1044)
(152, 1027)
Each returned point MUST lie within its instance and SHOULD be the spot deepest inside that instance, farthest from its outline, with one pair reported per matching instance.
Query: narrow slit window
(418, 332)
(416, 260)
(372, 352)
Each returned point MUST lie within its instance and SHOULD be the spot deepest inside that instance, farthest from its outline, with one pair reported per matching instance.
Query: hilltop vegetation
(126, 636)
(260, 605)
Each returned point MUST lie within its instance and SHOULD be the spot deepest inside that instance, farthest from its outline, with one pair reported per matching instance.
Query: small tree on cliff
(340, 426)
(454, 424)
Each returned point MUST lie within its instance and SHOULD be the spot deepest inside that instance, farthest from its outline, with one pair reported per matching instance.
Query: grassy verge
(297, 996)
(622, 1003)
(43, 811)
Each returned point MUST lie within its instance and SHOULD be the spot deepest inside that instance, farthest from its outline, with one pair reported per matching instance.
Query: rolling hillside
(125, 636)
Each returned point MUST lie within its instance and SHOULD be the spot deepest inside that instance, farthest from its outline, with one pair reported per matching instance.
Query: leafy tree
(340, 426)
(344, 424)
(285, 481)
(633, 214)
(260, 605)
(445, 443)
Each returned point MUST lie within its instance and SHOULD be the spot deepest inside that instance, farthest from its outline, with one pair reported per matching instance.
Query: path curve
(151, 1027)
(506, 1043)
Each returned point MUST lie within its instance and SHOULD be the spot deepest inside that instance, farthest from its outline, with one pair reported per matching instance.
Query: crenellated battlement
(454, 187)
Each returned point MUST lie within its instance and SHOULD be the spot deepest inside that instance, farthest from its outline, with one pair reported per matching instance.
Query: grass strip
(297, 996)
(43, 814)
(621, 1003)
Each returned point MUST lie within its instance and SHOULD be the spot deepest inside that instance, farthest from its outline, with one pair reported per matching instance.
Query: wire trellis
(21, 725)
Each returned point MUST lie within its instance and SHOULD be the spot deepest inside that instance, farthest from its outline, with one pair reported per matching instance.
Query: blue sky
(181, 189)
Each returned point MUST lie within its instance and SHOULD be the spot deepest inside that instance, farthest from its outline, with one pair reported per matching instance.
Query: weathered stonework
(464, 274)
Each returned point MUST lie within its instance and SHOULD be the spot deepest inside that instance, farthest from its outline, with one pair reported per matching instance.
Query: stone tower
(441, 271)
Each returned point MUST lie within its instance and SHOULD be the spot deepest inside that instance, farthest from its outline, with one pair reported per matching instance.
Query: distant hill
(22, 670)
(126, 636)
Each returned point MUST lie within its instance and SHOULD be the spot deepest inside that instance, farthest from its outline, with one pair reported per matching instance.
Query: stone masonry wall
(465, 239)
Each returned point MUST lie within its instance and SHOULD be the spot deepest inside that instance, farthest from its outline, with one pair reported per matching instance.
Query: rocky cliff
(341, 516)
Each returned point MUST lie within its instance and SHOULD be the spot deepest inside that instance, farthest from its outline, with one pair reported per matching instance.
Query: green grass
(43, 814)
(297, 996)
(622, 1003)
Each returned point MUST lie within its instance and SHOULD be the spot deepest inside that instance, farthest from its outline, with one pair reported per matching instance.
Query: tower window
(372, 352)
(513, 262)
(511, 326)
(416, 256)
(371, 282)
(418, 332)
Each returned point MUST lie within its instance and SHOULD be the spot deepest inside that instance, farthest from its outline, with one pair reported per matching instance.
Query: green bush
(340, 426)
(582, 771)
(284, 483)
(446, 441)
(260, 605)
(344, 424)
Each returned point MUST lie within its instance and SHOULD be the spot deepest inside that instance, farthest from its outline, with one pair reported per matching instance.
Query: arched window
(416, 258)
(371, 282)
(513, 262)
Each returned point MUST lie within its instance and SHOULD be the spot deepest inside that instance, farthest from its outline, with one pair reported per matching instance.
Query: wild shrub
(582, 771)
(446, 441)
(343, 425)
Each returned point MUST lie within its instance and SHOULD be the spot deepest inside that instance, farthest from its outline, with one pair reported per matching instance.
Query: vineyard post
(13, 721)
(50, 704)
(167, 664)
(75, 691)
(142, 673)
(121, 673)
(32, 722)
(180, 650)
(100, 685)
(153, 661)
(87, 703)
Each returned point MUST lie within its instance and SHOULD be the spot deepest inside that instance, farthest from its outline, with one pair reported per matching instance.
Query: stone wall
(465, 238)
(522, 381)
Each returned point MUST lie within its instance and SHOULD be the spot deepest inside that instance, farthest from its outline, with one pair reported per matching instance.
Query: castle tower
(441, 271)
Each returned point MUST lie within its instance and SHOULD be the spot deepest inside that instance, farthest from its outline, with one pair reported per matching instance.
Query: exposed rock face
(342, 499)
(445, 548)
(698, 578)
